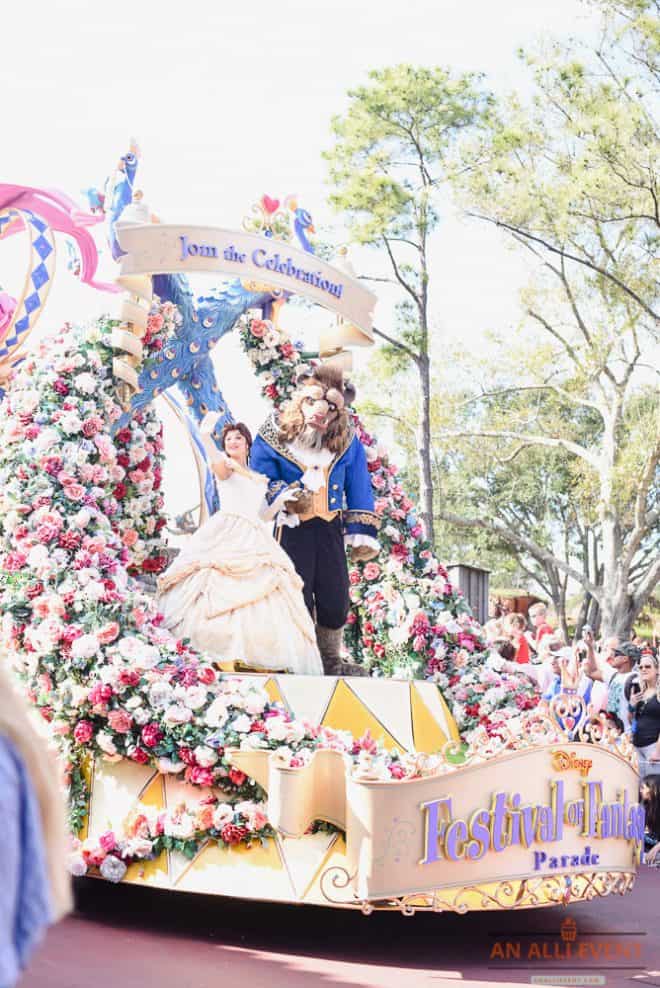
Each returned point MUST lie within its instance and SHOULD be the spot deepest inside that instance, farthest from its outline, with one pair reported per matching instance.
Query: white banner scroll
(154, 248)
(554, 810)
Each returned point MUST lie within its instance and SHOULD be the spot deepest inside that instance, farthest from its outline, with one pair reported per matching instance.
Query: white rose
(254, 702)
(85, 382)
(82, 518)
(85, 647)
(223, 813)
(70, 423)
(160, 695)
(277, 729)
(181, 829)
(195, 697)
(216, 715)
(168, 767)
(105, 743)
(242, 724)
(205, 756)
(177, 714)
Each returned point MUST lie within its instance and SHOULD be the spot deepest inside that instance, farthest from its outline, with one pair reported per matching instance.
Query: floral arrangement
(406, 621)
(148, 832)
(81, 515)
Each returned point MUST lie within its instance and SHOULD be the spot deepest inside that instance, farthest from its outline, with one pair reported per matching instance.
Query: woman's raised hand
(209, 423)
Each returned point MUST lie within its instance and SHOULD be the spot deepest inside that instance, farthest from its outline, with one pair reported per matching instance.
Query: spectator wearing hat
(616, 674)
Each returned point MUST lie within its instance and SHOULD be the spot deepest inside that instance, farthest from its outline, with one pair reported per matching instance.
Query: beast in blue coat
(320, 494)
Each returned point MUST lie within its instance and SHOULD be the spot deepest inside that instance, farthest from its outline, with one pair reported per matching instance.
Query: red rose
(231, 833)
(236, 776)
(151, 735)
(186, 756)
(60, 387)
(83, 732)
(123, 436)
(140, 756)
(155, 564)
(119, 492)
(206, 675)
(128, 677)
(124, 460)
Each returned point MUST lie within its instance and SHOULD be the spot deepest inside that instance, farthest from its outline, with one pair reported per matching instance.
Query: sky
(229, 101)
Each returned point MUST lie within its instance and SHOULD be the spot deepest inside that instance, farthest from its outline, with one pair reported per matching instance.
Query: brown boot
(329, 642)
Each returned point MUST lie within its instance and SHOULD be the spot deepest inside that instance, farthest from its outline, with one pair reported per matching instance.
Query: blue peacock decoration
(185, 363)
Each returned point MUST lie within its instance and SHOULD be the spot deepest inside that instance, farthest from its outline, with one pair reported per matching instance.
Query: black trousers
(316, 549)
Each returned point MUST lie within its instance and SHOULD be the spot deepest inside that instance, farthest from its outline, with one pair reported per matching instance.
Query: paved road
(126, 937)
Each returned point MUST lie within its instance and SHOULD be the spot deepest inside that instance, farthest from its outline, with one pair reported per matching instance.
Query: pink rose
(108, 841)
(75, 492)
(108, 633)
(46, 532)
(120, 721)
(371, 571)
(354, 577)
(258, 328)
(14, 561)
(83, 732)
(199, 776)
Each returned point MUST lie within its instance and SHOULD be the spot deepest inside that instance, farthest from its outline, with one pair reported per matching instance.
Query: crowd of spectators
(617, 680)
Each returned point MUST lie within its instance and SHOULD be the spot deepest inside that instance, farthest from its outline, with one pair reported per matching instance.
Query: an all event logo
(602, 950)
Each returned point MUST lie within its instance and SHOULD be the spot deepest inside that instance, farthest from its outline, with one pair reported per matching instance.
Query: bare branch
(397, 274)
(571, 257)
(532, 440)
(647, 586)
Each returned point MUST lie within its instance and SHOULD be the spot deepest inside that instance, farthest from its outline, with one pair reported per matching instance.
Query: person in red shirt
(515, 626)
(538, 618)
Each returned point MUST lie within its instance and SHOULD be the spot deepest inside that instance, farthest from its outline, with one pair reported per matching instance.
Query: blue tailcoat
(349, 484)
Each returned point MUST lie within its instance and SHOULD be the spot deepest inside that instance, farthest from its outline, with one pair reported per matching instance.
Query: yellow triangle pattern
(428, 736)
(346, 712)
(274, 692)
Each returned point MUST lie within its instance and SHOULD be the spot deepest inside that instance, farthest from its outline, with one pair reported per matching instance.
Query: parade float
(437, 782)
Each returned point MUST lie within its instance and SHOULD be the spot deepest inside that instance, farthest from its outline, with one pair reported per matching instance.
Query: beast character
(320, 493)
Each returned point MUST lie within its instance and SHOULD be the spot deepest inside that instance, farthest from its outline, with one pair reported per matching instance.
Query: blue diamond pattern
(42, 247)
(40, 276)
(38, 223)
(21, 325)
(32, 302)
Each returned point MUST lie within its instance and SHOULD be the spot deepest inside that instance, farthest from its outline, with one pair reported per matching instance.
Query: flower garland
(406, 621)
(148, 832)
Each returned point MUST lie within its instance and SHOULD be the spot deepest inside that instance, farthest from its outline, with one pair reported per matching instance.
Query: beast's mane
(291, 421)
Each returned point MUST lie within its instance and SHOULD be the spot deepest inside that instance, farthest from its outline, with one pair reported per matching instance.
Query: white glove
(209, 423)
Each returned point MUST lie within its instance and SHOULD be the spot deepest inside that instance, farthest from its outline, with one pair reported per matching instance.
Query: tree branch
(571, 257)
(517, 539)
(396, 343)
(397, 274)
(647, 586)
(532, 440)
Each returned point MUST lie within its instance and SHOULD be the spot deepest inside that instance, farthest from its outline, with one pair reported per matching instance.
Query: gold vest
(323, 502)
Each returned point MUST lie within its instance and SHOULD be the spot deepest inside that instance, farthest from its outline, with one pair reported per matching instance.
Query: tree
(387, 166)
(571, 179)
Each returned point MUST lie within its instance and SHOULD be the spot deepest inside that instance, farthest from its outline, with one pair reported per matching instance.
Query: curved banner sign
(154, 248)
(556, 810)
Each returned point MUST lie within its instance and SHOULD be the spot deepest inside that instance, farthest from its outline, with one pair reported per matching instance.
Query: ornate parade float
(436, 782)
